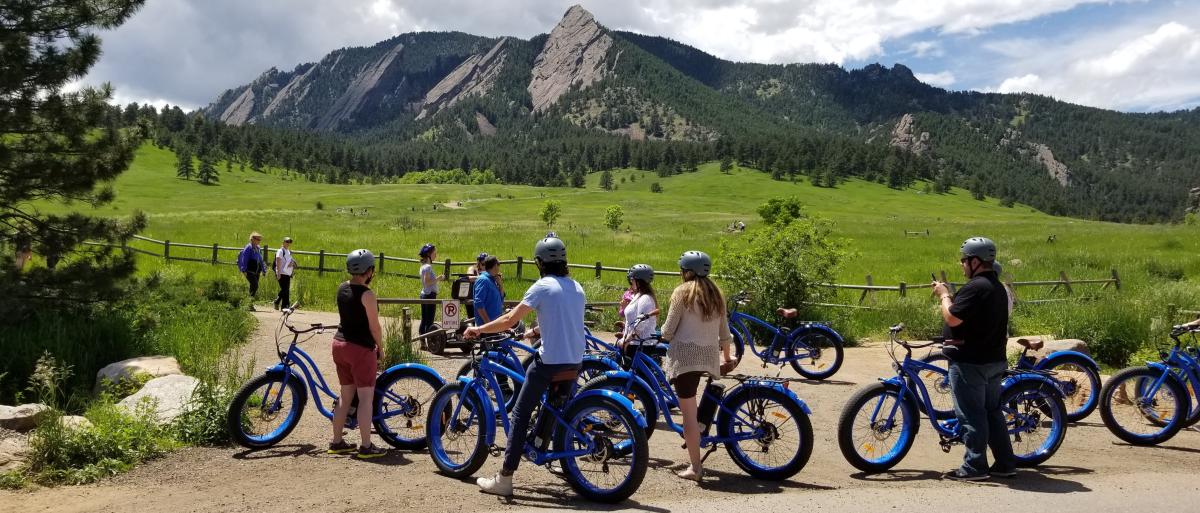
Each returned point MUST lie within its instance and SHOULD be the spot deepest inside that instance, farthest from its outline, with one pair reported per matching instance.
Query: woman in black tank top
(357, 350)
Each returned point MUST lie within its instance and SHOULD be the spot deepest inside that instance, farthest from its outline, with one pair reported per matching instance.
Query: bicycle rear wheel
(1080, 383)
(815, 355)
(1037, 421)
(618, 452)
(400, 404)
(455, 431)
(779, 435)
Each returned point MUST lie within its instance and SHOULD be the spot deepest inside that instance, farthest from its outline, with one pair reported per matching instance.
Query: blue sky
(1129, 55)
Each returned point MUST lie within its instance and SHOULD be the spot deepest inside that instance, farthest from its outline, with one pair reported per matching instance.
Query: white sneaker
(498, 485)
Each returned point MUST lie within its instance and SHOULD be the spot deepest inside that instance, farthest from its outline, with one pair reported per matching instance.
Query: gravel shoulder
(1093, 471)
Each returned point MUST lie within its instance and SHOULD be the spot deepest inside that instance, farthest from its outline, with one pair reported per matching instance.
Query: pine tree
(606, 180)
(183, 162)
(57, 148)
(207, 174)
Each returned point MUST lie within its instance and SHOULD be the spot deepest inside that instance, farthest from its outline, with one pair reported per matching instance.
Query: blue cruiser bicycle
(268, 407)
(1148, 405)
(813, 349)
(596, 436)
(763, 425)
(880, 422)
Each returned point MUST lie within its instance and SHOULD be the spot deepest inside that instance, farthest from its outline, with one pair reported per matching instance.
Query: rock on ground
(21, 418)
(154, 366)
(14, 449)
(1050, 346)
(169, 395)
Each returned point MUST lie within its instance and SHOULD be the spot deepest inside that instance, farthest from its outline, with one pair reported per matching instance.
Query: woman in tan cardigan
(698, 328)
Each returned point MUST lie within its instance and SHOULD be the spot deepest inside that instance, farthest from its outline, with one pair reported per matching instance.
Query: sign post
(450, 310)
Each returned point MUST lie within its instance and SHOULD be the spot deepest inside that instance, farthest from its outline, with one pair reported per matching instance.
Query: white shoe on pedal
(496, 485)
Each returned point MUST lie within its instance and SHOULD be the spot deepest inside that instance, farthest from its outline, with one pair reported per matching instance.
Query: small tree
(606, 180)
(614, 217)
(726, 164)
(207, 174)
(782, 265)
(551, 210)
(977, 189)
(656, 188)
(183, 163)
(781, 211)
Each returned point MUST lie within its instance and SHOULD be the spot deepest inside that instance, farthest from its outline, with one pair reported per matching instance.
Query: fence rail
(868, 290)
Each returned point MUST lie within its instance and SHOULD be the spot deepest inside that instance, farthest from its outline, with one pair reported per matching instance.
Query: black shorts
(687, 384)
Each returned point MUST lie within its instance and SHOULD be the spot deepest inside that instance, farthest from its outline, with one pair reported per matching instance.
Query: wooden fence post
(947, 282)
(1116, 279)
(520, 260)
(447, 273)
(865, 292)
(406, 326)
(903, 289)
(382, 259)
(166, 250)
(1066, 282)
(321, 263)
(214, 258)
(265, 251)
(598, 270)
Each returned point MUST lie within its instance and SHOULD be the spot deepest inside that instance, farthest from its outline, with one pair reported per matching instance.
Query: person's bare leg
(691, 436)
(339, 414)
(365, 411)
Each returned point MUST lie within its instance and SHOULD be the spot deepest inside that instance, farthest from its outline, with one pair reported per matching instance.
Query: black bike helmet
(426, 250)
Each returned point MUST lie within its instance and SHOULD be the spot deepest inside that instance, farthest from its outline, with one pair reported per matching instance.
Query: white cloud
(943, 79)
(922, 49)
(1156, 69)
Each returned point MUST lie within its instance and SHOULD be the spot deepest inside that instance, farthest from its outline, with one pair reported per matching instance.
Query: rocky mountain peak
(574, 54)
(475, 76)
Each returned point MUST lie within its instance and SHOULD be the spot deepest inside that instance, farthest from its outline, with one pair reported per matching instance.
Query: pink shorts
(356, 365)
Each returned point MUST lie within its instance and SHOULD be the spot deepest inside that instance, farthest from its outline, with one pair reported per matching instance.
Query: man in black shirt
(976, 335)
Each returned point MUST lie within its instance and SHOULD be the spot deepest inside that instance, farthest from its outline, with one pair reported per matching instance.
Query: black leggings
(687, 384)
(428, 313)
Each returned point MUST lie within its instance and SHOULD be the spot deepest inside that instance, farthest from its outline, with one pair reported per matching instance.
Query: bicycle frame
(779, 340)
(1177, 364)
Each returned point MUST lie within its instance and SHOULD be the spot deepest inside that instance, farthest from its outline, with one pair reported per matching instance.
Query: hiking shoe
(497, 485)
(995, 472)
(371, 451)
(275, 304)
(340, 448)
(958, 475)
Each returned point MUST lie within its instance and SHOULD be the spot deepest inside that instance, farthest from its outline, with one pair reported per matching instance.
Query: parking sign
(450, 311)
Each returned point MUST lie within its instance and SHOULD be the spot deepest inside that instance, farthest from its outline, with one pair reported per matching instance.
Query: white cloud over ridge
(943, 79)
(1155, 70)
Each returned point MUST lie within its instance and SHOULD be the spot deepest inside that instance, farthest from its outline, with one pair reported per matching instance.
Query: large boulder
(21, 418)
(169, 395)
(13, 452)
(135, 368)
(76, 422)
(1050, 345)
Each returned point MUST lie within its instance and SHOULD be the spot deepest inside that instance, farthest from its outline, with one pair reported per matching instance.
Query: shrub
(613, 217)
(781, 211)
(397, 347)
(320, 206)
(114, 443)
(656, 188)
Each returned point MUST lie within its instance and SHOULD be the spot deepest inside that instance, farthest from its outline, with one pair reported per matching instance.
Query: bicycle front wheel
(265, 410)
(455, 432)
(1036, 420)
(774, 436)
(1140, 413)
(877, 428)
(400, 408)
(617, 450)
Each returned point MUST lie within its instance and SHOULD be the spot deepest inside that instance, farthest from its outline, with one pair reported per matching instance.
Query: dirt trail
(1091, 473)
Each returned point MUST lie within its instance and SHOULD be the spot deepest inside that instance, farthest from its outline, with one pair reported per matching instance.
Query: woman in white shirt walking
(698, 327)
(285, 268)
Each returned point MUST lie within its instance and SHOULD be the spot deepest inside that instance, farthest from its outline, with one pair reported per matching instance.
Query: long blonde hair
(702, 295)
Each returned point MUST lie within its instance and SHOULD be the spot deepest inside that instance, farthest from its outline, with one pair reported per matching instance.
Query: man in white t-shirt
(285, 268)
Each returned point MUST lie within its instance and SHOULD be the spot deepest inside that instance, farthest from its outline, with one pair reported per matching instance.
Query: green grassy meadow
(1156, 263)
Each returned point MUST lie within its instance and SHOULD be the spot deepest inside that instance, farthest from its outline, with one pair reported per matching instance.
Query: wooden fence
(217, 254)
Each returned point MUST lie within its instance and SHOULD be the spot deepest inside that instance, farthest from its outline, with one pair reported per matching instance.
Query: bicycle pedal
(495, 451)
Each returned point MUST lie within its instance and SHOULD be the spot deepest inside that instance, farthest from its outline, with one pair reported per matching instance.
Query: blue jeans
(976, 391)
(537, 380)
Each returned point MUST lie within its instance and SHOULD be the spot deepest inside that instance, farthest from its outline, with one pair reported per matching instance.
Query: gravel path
(1093, 472)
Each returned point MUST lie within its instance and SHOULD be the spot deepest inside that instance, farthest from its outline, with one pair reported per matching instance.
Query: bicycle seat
(1034, 344)
(788, 313)
(564, 376)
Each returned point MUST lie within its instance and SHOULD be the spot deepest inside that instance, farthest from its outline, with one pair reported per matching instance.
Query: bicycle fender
(1046, 380)
(1054, 357)
(635, 379)
(280, 369)
(893, 381)
(786, 391)
(818, 327)
(419, 368)
(605, 360)
(624, 403)
(488, 418)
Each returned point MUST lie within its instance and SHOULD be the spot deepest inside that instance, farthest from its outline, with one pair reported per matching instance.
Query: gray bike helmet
(979, 247)
(641, 272)
(550, 250)
(359, 261)
(696, 261)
